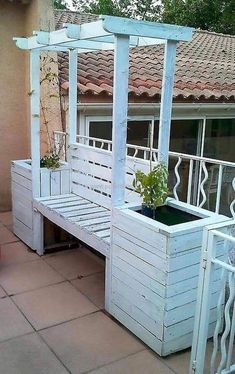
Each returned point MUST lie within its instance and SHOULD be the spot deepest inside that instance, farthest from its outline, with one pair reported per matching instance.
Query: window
(220, 139)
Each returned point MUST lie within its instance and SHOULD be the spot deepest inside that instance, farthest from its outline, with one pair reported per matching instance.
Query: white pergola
(107, 33)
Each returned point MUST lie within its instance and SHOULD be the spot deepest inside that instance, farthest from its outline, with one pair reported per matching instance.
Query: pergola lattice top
(99, 35)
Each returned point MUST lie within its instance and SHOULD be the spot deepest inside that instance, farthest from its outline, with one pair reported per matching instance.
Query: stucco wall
(16, 19)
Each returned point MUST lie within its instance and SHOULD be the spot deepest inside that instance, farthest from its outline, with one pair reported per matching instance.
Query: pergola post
(35, 120)
(166, 101)
(72, 130)
(35, 147)
(120, 107)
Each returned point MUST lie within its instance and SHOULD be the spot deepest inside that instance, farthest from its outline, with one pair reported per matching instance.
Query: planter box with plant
(155, 264)
(54, 180)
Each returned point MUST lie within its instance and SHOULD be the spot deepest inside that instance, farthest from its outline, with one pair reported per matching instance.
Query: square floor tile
(28, 355)
(142, 362)
(93, 287)
(180, 361)
(27, 276)
(2, 293)
(16, 252)
(90, 342)
(6, 218)
(51, 305)
(75, 263)
(6, 236)
(12, 322)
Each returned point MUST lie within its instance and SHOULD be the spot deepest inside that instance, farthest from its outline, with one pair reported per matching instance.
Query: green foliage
(152, 187)
(60, 4)
(50, 161)
(213, 15)
(142, 9)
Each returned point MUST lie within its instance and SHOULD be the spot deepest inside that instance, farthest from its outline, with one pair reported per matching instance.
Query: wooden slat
(65, 181)
(99, 227)
(94, 221)
(55, 179)
(101, 212)
(91, 182)
(88, 237)
(73, 198)
(97, 155)
(69, 204)
(103, 234)
(82, 212)
(92, 195)
(55, 198)
(76, 208)
(21, 180)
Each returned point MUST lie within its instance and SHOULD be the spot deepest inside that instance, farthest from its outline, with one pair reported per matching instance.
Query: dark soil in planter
(169, 216)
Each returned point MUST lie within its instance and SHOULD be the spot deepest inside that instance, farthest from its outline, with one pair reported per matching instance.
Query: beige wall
(16, 19)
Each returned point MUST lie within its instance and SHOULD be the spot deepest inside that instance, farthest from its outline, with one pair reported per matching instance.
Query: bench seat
(85, 220)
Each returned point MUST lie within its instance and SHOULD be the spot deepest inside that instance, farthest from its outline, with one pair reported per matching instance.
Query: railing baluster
(190, 179)
(177, 178)
(227, 322)
(233, 202)
(204, 198)
(231, 339)
(220, 312)
(219, 187)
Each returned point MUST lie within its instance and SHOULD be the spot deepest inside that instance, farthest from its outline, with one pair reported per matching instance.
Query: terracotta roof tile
(205, 67)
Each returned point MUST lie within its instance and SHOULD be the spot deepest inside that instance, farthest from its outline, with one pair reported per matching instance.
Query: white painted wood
(69, 221)
(23, 232)
(72, 130)
(35, 120)
(120, 104)
(166, 101)
(45, 182)
(55, 179)
(148, 274)
(22, 181)
(91, 195)
(127, 26)
(65, 182)
(151, 340)
(38, 237)
(85, 220)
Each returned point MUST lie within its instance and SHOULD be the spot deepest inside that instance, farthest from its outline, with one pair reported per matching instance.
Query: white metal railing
(222, 358)
(201, 181)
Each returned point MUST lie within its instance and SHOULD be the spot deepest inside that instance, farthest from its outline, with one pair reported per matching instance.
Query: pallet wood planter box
(155, 271)
(52, 182)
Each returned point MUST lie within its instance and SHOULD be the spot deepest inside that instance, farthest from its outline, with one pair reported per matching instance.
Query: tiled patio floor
(52, 319)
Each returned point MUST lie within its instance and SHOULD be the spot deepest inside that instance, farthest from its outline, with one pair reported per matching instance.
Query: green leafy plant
(50, 161)
(152, 187)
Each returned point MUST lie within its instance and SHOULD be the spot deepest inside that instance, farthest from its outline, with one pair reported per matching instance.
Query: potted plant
(153, 188)
(155, 264)
(50, 161)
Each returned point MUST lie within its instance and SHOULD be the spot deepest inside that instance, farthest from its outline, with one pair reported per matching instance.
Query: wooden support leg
(38, 237)
(108, 280)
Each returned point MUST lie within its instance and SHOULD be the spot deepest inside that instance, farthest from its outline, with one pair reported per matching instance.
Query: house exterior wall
(16, 19)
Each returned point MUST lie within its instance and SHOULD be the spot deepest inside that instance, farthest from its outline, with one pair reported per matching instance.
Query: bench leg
(107, 284)
(38, 240)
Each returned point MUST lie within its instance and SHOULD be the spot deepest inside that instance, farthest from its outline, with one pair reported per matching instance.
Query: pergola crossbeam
(100, 35)
(127, 26)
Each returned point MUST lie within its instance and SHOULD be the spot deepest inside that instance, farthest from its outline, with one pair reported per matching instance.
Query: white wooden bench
(85, 212)
(87, 221)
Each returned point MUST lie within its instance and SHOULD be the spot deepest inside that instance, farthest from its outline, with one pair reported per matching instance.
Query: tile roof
(205, 67)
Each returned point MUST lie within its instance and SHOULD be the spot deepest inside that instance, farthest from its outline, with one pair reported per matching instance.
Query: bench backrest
(91, 175)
